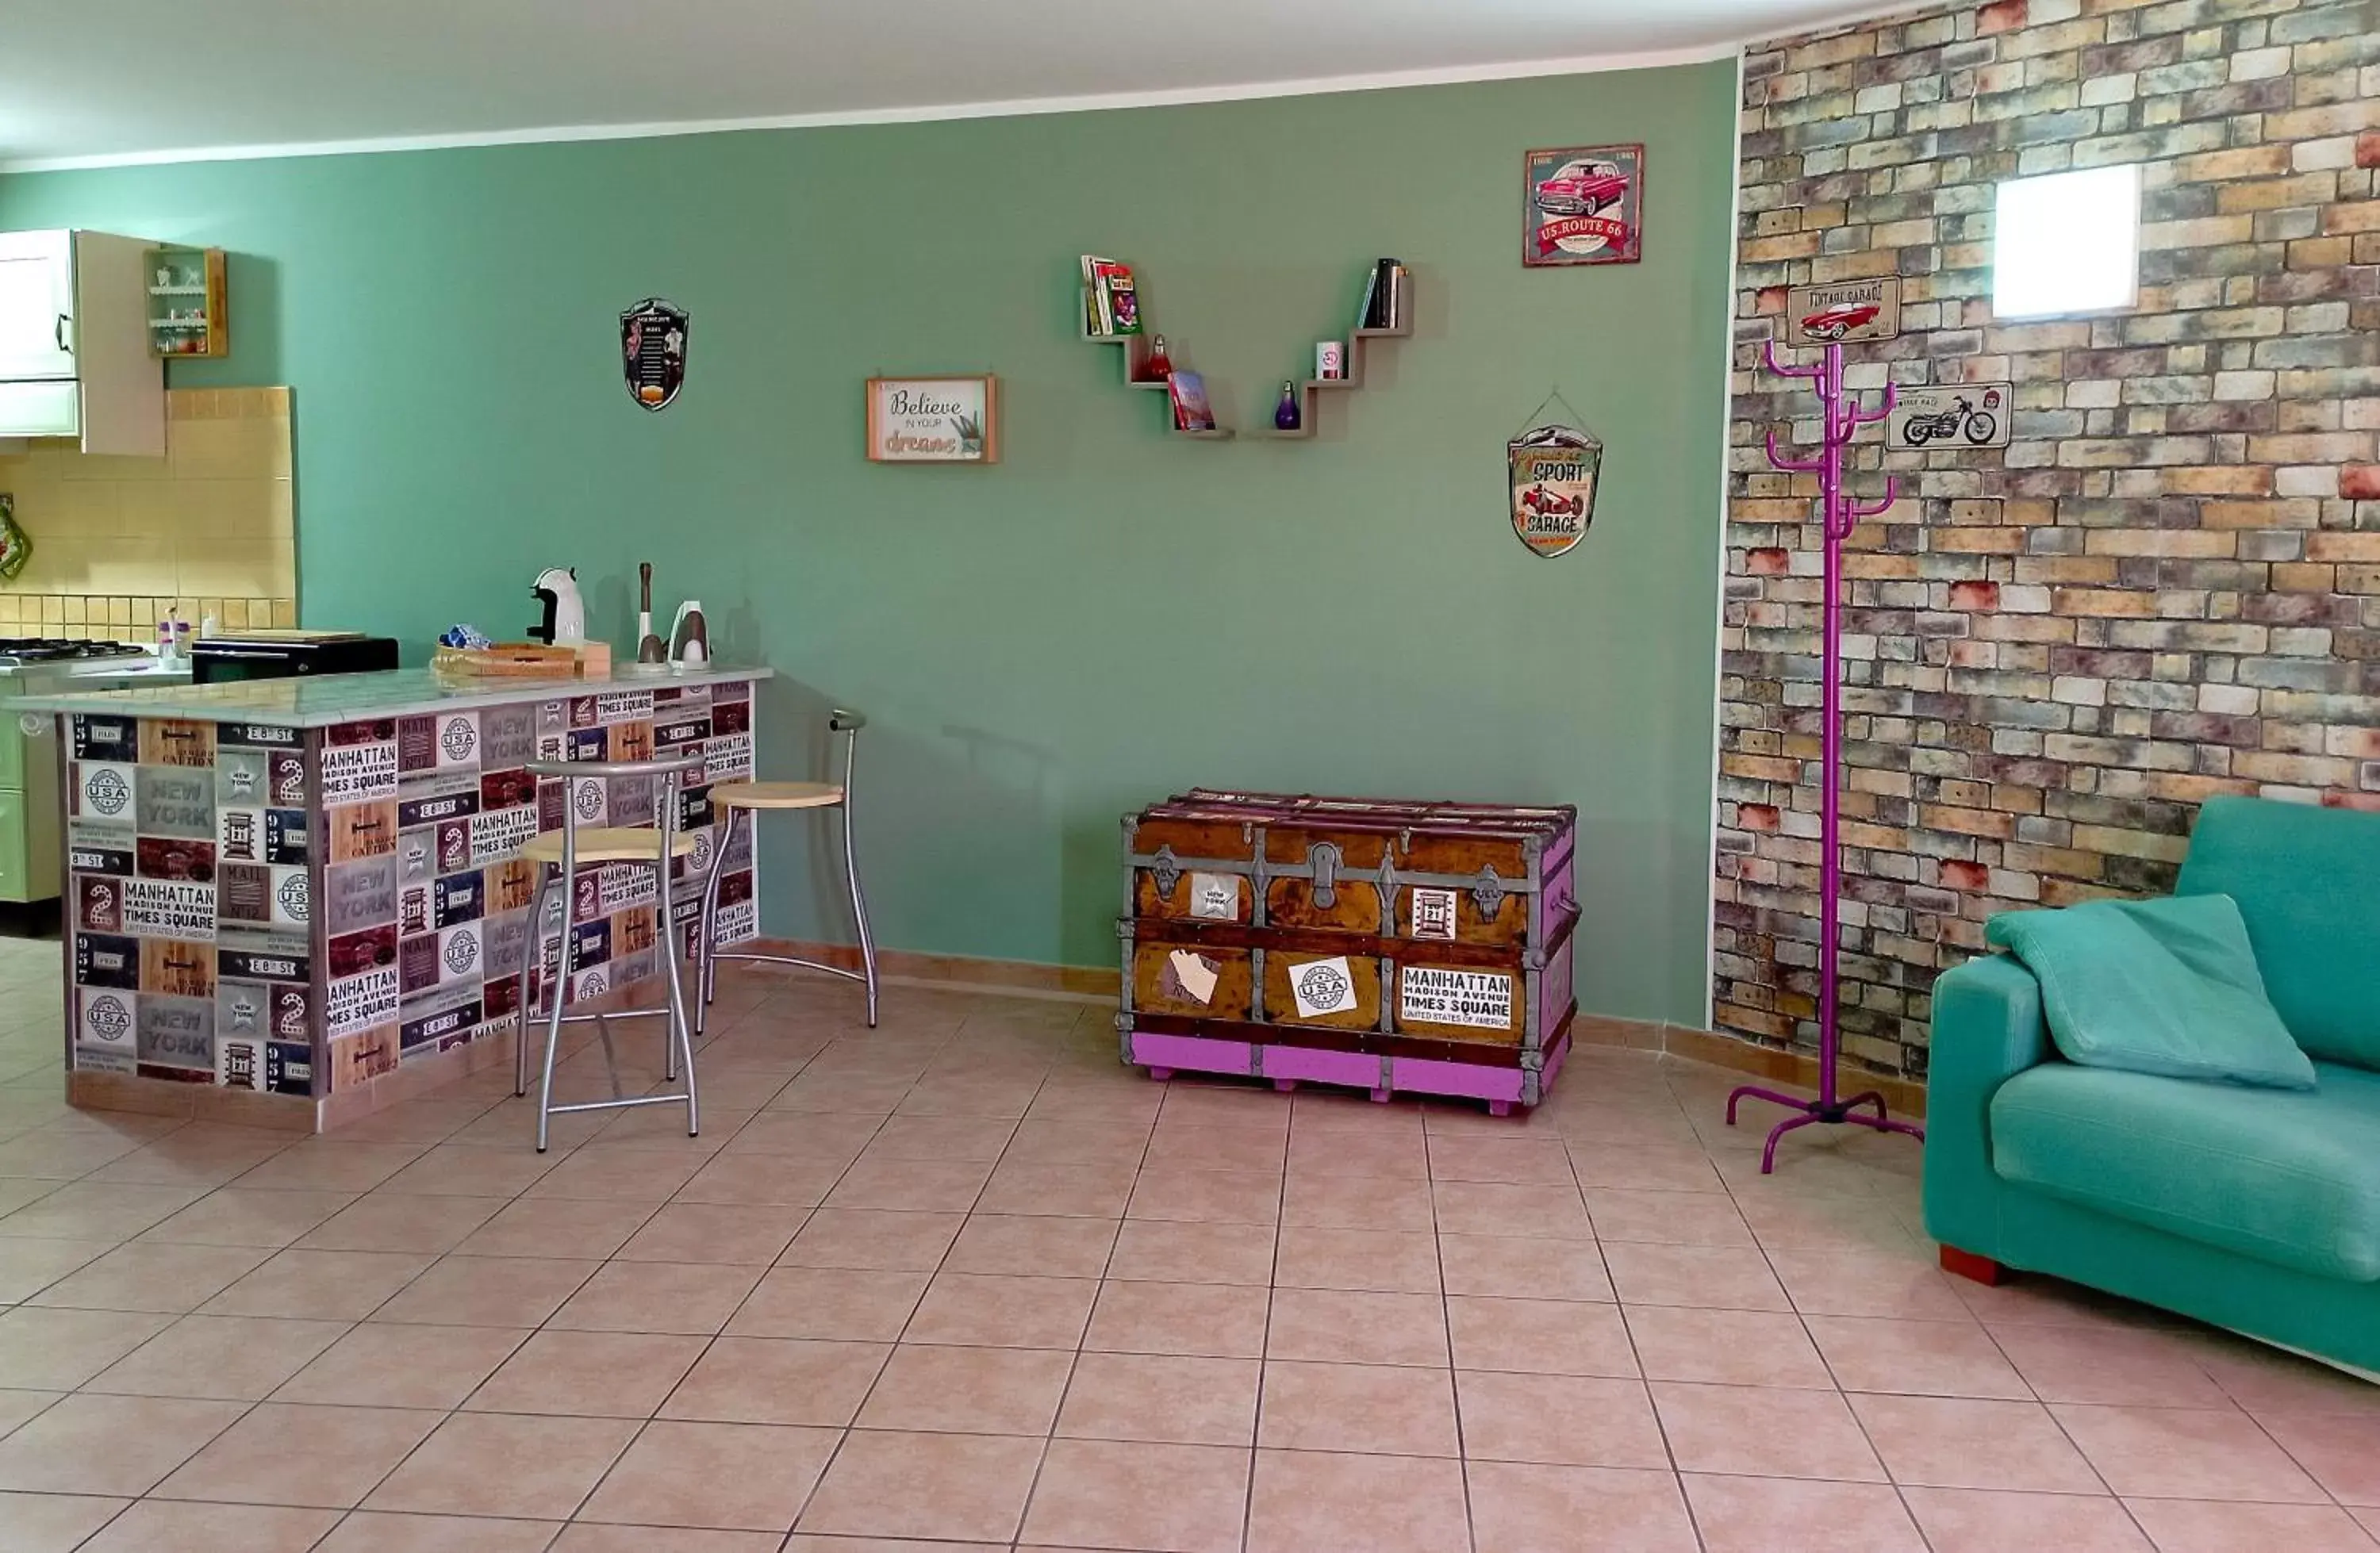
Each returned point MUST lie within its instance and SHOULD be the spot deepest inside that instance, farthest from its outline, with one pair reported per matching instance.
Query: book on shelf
(1397, 298)
(1111, 305)
(1191, 411)
(1381, 289)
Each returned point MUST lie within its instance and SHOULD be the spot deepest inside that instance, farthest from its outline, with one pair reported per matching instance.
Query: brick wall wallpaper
(2168, 587)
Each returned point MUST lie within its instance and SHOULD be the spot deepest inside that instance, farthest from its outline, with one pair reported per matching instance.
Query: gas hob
(16, 652)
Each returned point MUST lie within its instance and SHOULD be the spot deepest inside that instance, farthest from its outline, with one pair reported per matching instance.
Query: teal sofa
(2255, 1209)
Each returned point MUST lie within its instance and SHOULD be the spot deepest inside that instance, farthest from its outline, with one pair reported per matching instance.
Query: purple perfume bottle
(1287, 416)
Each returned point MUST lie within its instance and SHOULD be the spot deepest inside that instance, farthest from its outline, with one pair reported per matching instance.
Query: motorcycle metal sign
(1552, 473)
(1956, 416)
(652, 351)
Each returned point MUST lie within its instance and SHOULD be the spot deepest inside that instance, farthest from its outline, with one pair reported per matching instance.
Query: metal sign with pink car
(1843, 311)
(1583, 205)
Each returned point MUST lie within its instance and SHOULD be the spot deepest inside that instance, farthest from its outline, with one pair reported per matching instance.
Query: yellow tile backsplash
(208, 528)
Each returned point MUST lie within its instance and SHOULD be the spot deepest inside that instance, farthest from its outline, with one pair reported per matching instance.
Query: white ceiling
(142, 80)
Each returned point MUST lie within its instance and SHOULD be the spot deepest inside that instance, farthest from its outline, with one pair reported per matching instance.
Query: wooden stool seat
(608, 843)
(776, 795)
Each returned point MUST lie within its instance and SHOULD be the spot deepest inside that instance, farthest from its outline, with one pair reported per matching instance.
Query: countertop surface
(319, 700)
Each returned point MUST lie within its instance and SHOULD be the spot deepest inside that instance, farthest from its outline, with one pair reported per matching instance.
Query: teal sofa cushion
(2288, 1177)
(2165, 987)
(2308, 884)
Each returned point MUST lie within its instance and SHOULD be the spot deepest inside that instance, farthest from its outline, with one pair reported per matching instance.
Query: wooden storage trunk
(1387, 945)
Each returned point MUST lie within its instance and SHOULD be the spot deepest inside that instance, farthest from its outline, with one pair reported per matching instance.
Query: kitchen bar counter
(289, 902)
(321, 700)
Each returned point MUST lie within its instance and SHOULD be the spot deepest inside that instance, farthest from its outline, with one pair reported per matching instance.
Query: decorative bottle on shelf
(1159, 366)
(1287, 416)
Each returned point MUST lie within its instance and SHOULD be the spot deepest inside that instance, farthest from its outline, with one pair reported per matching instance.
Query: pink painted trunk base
(1288, 1067)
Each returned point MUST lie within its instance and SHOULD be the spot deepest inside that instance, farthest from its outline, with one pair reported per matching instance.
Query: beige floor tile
(979, 1138)
(2183, 1453)
(16, 1406)
(757, 1179)
(2342, 1450)
(28, 1266)
(1213, 1319)
(1511, 1267)
(330, 1164)
(968, 1390)
(57, 1350)
(1621, 1213)
(143, 1275)
(233, 1358)
(658, 1297)
(1956, 1442)
(841, 1304)
(802, 1543)
(284, 1453)
(1514, 1162)
(473, 1170)
(1171, 1399)
(1927, 1358)
(1490, 1207)
(212, 1528)
(488, 1291)
(1647, 1167)
(2209, 1527)
(494, 1463)
(1331, 1325)
(1519, 1508)
(1554, 1337)
(779, 1380)
(1384, 1408)
(602, 1177)
(1021, 1246)
(1194, 1146)
(1727, 1347)
(370, 1531)
(977, 1308)
(386, 1220)
(109, 1445)
(1306, 1500)
(606, 1375)
(1358, 1150)
(394, 1365)
(727, 1475)
(1559, 1420)
(561, 1227)
(1357, 1202)
(1201, 1197)
(1700, 1277)
(971, 1487)
(322, 1285)
(1166, 1499)
(234, 1215)
(818, 1137)
(1381, 1261)
(1763, 1432)
(1149, 1250)
(923, 1186)
(89, 1210)
(1075, 1191)
(714, 1232)
(873, 1239)
(1827, 1281)
(1990, 1521)
(53, 1522)
(2107, 1366)
(1767, 1514)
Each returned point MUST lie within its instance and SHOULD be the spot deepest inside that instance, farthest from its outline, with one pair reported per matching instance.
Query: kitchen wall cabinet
(74, 343)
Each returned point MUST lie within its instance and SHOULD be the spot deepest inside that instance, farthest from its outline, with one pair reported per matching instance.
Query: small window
(2067, 243)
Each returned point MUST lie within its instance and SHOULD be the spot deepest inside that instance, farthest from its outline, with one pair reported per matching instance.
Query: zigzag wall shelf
(1136, 375)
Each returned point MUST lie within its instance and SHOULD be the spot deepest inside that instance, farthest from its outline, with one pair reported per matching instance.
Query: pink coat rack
(1843, 418)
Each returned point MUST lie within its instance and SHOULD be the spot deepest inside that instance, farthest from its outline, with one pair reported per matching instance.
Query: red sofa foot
(1966, 1264)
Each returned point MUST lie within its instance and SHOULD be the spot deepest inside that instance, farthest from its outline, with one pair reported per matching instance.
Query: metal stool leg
(679, 1037)
(560, 992)
(706, 952)
(858, 899)
(529, 963)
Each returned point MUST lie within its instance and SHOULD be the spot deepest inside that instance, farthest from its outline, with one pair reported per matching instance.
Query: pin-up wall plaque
(652, 351)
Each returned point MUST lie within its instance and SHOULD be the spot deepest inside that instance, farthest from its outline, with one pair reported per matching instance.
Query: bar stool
(739, 800)
(558, 856)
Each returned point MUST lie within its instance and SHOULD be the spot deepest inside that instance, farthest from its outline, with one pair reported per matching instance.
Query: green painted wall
(1112, 613)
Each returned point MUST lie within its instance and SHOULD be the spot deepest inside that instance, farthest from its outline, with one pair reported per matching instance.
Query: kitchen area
(282, 873)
